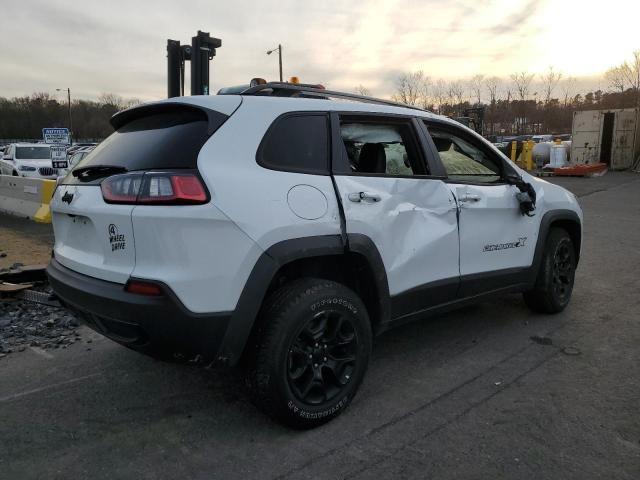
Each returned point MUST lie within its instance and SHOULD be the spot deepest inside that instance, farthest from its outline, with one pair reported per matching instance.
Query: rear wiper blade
(93, 170)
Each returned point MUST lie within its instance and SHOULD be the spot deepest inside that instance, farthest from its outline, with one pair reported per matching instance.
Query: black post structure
(175, 67)
(203, 49)
(199, 53)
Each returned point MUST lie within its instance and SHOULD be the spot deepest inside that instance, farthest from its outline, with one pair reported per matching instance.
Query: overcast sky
(119, 46)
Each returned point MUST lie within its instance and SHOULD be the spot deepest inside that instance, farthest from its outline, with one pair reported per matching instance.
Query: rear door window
(297, 143)
(380, 146)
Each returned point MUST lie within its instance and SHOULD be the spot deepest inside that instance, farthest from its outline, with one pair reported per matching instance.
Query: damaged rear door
(388, 195)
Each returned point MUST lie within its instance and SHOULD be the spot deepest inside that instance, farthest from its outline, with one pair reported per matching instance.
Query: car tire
(309, 352)
(554, 282)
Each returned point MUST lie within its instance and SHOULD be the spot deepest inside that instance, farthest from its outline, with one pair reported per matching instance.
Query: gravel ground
(26, 324)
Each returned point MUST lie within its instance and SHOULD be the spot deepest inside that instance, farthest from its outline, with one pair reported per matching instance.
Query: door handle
(364, 197)
(470, 198)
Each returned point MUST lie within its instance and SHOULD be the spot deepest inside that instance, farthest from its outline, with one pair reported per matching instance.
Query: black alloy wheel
(309, 352)
(322, 358)
(555, 278)
(563, 270)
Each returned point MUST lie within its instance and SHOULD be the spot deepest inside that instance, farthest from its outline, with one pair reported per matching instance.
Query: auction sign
(58, 139)
(58, 155)
(56, 135)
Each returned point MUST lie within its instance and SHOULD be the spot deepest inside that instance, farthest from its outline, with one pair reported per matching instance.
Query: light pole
(279, 49)
(69, 106)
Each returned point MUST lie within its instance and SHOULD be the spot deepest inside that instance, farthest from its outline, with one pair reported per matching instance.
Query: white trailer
(606, 136)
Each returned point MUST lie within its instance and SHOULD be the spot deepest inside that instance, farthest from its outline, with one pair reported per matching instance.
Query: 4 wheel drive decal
(116, 239)
(502, 246)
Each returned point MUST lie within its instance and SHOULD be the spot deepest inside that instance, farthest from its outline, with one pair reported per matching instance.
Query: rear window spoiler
(191, 113)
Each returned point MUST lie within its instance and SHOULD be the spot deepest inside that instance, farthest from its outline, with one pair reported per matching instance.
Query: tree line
(25, 117)
(522, 103)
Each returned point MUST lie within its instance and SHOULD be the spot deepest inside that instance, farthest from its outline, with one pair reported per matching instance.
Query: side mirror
(513, 179)
(526, 196)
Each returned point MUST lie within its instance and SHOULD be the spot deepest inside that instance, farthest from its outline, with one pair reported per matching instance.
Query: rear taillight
(154, 188)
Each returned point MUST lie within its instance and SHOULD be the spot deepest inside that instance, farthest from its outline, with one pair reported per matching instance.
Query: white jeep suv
(284, 228)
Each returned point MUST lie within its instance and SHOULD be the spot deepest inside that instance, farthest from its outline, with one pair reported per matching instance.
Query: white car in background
(73, 159)
(78, 155)
(28, 160)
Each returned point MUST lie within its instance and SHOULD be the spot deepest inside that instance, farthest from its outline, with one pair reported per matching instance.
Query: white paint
(413, 225)
(81, 231)
(205, 253)
(14, 396)
(41, 352)
(307, 202)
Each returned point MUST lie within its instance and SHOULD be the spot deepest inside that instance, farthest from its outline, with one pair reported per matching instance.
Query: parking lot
(491, 391)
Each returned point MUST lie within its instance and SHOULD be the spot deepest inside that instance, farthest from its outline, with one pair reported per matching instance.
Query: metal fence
(7, 141)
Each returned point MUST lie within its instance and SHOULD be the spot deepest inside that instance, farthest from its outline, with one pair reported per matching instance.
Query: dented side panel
(413, 223)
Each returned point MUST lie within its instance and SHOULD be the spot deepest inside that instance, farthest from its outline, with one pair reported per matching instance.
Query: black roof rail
(282, 89)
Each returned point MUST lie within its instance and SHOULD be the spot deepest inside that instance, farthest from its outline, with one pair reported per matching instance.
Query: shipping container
(606, 136)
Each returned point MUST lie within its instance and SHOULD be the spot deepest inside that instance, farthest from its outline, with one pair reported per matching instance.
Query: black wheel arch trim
(287, 251)
(281, 254)
(548, 219)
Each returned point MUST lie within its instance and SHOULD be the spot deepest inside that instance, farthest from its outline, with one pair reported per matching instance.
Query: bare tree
(113, 100)
(550, 81)
(568, 87)
(522, 82)
(476, 84)
(456, 92)
(439, 94)
(362, 90)
(131, 102)
(616, 78)
(631, 71)
(425, 92)
(493, 84)
(410, 87)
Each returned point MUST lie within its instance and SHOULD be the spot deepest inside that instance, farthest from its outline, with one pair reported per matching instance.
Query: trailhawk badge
(502, 246)
(116, 239)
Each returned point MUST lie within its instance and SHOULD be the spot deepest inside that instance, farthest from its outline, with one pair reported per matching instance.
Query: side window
(464, 160)
(297, 143)
(376, 146)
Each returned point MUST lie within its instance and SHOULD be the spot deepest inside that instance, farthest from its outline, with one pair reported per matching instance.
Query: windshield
(32, 153)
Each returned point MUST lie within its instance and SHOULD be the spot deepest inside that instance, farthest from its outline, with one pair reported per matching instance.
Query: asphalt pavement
(491, 391)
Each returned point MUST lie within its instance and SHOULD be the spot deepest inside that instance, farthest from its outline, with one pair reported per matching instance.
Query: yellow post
(43, 215)
(528, 156)
(514, 149)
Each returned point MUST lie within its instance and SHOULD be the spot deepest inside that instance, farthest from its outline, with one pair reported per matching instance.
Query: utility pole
(69, 109)
(279, 49)
(280, 60)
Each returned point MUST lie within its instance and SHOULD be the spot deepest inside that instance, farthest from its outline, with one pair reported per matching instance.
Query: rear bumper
(150, 324)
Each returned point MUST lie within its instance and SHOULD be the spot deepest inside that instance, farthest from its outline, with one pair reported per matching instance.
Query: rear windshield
(166, 140)
(32, 153)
